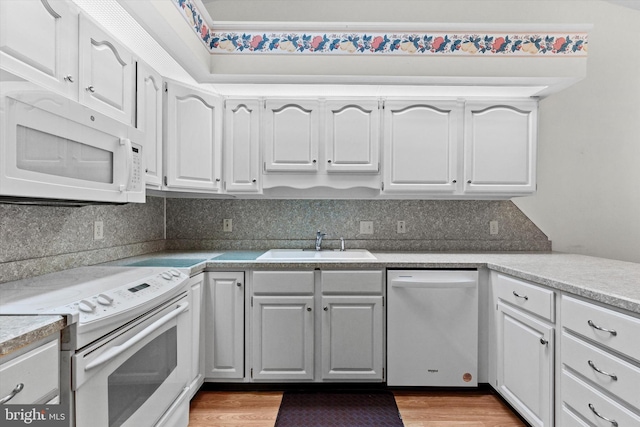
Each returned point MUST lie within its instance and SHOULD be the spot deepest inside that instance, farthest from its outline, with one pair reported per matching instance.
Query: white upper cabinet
(291, 134)
(242, 146)
(39, 42)
(352, 136)
(149, 121)
(107, 73)
(421, 146)
(500, 147)
(193, 139)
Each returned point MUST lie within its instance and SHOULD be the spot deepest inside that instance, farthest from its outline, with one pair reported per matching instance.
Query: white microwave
(53, 148)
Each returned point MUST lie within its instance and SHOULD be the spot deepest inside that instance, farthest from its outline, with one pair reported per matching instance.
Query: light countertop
(19, 331)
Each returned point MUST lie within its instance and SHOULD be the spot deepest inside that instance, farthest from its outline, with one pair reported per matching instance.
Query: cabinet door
(352, 136)
(291, 134)
(149, 121)
(282, 343)
(39, 41)
(525, 365)
(196, 374)
(224, 325)
(193, 138)
(107, 73)
(241, 146)
(500, 147)
(421, 146)
(352, 338)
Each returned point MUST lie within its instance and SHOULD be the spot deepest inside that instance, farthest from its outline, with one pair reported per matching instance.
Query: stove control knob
(86, 306)
(166, 276)
(104, 299)
(174, 273)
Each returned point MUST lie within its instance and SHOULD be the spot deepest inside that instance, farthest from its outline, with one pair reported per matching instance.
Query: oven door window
(137, 379)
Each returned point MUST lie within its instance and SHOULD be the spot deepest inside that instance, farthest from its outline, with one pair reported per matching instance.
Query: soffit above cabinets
(380, 58)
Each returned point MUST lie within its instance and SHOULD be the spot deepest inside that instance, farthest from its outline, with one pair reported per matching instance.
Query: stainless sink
(311, 255)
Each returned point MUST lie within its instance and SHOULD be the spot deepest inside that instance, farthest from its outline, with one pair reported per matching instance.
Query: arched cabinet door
(107, 73)
(500, 147)
(291, 134)
(242, 172)
(421, 146)
(352, 136)
(39, 42)
(149, 120)
(193, 139)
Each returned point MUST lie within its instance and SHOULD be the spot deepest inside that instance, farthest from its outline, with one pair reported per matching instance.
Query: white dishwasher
(432, 328)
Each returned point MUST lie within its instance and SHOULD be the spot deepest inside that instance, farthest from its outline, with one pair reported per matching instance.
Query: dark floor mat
(338, 409)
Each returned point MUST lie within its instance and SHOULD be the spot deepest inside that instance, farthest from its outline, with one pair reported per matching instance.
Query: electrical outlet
(98, 230)
(401, 227)
(493, 227)
(366, 227)
(227, 225)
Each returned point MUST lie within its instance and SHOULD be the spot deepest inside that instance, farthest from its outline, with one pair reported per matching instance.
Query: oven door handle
(119, 349)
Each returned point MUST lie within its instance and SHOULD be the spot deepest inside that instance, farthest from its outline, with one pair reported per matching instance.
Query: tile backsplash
(431, 225)
(36, 240)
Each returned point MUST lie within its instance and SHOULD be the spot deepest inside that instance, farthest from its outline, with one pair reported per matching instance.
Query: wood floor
(477, 408)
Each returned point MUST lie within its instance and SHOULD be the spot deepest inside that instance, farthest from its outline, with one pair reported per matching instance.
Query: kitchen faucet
(319, 236)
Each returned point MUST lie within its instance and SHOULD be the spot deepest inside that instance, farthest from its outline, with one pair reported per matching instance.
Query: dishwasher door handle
(433, 284)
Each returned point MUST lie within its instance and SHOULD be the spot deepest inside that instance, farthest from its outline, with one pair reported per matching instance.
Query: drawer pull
(595, 368)
(11, 395)
(517, 295)
(543, 341)
(614, 423)
(600, 328)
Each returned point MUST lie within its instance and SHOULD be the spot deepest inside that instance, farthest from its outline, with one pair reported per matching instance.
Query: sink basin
(311, 255)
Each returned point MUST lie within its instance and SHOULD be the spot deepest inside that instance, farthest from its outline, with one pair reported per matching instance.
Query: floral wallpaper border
(379, 43)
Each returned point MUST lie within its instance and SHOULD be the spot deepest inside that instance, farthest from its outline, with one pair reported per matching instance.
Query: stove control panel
(125, 297)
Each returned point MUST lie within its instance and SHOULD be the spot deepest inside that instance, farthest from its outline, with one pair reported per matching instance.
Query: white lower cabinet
(196, 374)
(317, 326)
(224, 328)
(524, 348)
(600, 355)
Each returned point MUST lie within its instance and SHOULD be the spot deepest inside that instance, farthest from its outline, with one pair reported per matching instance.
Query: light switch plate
(366, 227)
(98, 230)
(493, 227)
(227, 225)
(401, 228)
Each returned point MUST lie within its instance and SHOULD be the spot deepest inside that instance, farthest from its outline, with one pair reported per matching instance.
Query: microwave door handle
(119, 349)
(129, 156)
(435, 284)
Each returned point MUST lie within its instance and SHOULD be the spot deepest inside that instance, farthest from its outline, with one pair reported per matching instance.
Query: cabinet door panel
(149, 120)
(352, 136)
(525, 365)
(44, 36)
(291, 136)
(500, 147)
(282, 338)
(225, 326)
(242, 162)
(106, 82)
(194, 137)
(420, 147)
(197, 362)
(352, 338)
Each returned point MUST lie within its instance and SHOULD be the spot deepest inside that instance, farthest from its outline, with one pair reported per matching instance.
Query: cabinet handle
(68, 78)
(517, 295)
(238, 284)
(217, 179)
(614, 423)
(328, 161)
(543, 341)
(600, 328)
(91, 89)
(454, 181)
(326, 308)
(314, 160)
(254, 180)
(17, 389)
(595, 368)
(469, 182)
(308, 308)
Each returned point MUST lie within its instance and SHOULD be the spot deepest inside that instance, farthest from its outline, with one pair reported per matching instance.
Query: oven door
(131, 378)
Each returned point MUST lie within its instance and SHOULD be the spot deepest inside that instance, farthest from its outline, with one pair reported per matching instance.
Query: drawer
(586, 401)
(526, 296)
(585, 318)
(283, 282)
(37, 370)
(569, 419)
(577, 354)
(352, 282)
